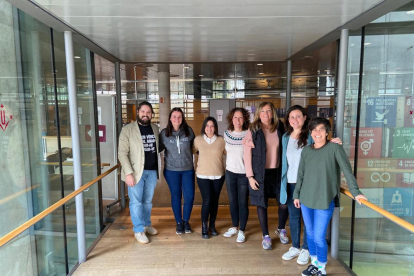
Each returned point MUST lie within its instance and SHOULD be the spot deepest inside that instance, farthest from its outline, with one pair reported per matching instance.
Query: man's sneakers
(151, 230)
(282, 235)
(320, 273)
(310, 271)
(141, 237)
(293, 252)
(267, 242)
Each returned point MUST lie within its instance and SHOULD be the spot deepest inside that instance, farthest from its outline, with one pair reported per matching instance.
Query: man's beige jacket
(131, 150)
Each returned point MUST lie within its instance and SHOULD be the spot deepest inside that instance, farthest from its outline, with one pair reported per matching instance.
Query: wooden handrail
(404, 224)
(8, 237)
(70, 163)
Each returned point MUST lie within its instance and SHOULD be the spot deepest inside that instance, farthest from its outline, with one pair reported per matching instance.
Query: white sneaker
(230, 233)
(241, 237)
(303, 257)
(141, 237)
(292, 253)
(282, 235)
(151, 230)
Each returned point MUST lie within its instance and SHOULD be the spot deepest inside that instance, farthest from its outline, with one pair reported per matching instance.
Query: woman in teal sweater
(317, 190)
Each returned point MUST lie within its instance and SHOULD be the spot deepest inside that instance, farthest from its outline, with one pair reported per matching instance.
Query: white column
(164, 93)
(74, 127)
(339, 128)
(288, 84)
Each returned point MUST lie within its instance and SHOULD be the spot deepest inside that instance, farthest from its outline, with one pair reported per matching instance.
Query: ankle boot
(212, 228)
(204, 230)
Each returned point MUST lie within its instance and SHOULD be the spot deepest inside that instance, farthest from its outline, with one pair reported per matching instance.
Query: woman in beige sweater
(210, 172)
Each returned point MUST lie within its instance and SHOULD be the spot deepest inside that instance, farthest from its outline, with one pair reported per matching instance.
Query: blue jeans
(140, 200)
(238, 190)
(295, 220)
(181, 184)
(317, 222)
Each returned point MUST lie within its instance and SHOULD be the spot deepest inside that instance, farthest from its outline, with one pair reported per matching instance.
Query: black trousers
(210, 192)
(238, 191)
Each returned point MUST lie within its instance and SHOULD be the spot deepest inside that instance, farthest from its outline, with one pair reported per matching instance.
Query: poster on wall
(375, 196)
(381, 111)
(377, 173)
(398, 201)
(405, 177)
(409, 112)
(370, 142)
(376, 179)
(403, 143)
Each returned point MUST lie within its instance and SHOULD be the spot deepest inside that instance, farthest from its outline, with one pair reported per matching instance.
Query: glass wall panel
(86, 117)
(16, 186)
(32, 149)
(48, 255)
(350, 118)
(385, 140)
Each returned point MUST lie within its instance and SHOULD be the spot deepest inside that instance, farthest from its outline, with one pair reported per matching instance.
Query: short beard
(144, 123)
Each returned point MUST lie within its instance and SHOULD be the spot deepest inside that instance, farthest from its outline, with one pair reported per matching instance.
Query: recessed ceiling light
(186, 67)
(77, 57)
(201, 75)
(367, 43)
(260, 64)
(410, 12)
(261, 73)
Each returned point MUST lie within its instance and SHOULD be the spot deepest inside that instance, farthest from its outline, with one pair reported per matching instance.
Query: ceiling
(205, 31)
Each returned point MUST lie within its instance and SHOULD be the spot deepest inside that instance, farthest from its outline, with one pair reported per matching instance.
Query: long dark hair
(304, 132)
(203, 128)
(184, 126)
(246, 118)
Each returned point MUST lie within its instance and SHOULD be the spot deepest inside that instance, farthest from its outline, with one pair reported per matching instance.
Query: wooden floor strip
(169, 254)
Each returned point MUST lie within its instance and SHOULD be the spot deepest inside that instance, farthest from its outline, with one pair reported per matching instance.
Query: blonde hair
(257, 124)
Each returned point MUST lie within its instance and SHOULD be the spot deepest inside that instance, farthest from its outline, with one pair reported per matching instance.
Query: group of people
(299, 167)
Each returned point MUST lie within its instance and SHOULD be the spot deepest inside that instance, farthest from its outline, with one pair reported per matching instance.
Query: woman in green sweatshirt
(318, 188)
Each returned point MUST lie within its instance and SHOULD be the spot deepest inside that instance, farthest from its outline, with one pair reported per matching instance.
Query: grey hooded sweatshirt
(177, 154)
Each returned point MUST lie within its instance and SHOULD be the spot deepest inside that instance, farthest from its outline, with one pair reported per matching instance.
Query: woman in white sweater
(236, 180)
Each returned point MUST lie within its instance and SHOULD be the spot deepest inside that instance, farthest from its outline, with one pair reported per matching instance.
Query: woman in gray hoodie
(177, 139)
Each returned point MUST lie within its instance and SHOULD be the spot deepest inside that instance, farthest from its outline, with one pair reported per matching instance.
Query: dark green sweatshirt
(319, 176)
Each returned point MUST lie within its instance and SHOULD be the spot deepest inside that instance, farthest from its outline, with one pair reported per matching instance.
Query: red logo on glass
(4, 122)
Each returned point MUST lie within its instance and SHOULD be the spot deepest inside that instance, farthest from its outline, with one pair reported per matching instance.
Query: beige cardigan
(131, 150)
(210, 157)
